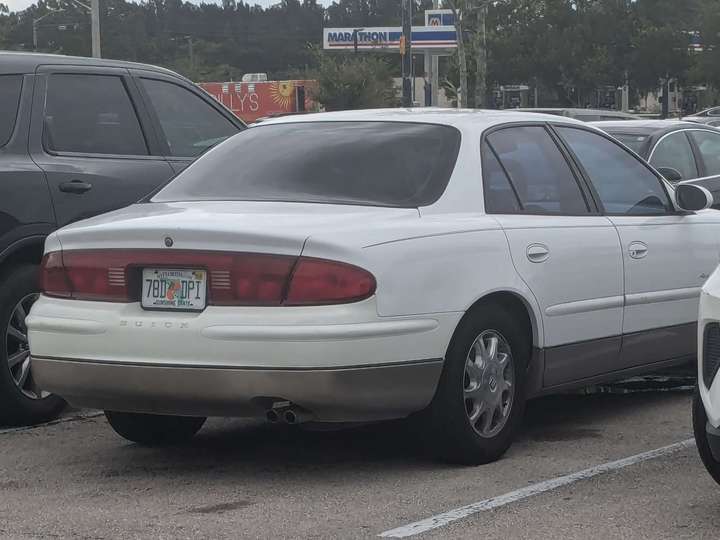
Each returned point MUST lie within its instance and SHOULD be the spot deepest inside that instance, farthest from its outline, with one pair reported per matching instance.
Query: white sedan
(369, 265)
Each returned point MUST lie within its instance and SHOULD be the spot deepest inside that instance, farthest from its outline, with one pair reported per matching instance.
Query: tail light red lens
(251, 279)
(318, 281)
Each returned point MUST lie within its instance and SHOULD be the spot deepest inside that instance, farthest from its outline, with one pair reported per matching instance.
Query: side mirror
(670, 174)
(692, 197)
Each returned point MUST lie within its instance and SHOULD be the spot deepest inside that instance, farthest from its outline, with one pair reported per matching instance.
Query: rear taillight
(318, 281)
(234, 279)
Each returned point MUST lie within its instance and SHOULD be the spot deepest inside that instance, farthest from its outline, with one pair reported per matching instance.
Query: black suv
(79, 137)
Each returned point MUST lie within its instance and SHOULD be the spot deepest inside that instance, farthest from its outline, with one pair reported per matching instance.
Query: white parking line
(73, 418)
(446, 518)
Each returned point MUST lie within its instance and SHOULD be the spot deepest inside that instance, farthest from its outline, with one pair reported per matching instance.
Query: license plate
(176, 289)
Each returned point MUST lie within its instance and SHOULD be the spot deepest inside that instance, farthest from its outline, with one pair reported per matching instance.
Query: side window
(91, 114)
(10, 87)
(709, 145)
(675, 151)
(537, 170)
(500, 198)
(190, 124)
(623, 182)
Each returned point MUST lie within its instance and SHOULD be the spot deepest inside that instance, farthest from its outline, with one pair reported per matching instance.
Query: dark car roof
(26, 62)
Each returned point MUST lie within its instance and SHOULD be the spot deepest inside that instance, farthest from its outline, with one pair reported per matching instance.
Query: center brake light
(234, 279)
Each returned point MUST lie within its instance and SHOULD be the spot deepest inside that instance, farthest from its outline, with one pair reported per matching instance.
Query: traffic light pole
(406, 52)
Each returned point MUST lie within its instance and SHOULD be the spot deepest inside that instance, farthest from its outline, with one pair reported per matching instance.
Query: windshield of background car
(365, 163)
(635, 141)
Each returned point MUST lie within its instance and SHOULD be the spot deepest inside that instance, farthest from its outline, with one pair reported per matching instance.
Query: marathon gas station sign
(388, 38)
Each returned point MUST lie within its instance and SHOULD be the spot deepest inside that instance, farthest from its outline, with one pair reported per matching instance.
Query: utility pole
(481, 56)
(94, 10)
(95, 27)
(406, 52)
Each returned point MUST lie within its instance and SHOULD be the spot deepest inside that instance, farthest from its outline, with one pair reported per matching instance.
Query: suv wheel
(480, 398)
(154, 429)
(21, 400)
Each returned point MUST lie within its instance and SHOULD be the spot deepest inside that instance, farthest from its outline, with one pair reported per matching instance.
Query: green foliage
(567, 48)
(353, 81)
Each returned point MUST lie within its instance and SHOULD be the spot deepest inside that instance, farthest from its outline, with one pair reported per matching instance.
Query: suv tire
(21, 402)
(154, 429)
(480, 399)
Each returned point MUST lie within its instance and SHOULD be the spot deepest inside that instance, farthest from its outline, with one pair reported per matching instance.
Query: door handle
(637, 250)
(75, 186)
(538, 253)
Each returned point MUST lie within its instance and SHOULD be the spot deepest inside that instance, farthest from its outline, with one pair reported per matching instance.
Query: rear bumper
(351, 394)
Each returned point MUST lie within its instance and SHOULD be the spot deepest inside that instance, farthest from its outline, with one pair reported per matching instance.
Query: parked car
(370, 265)
(584, 115)
(710, 117)
(706, 403)
(679, 150)
(79, 137)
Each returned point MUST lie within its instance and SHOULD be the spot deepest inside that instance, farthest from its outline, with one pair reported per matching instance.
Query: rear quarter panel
(437, 265)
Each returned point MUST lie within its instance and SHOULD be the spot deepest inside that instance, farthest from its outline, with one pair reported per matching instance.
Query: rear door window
(537, 171)
(91, 114)
(398, 164)
(190, 125)
(10, 87)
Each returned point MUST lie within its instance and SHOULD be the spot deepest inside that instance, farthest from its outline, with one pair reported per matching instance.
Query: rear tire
(21, 401)
(472, 382)
(154, 429)
(699, 420)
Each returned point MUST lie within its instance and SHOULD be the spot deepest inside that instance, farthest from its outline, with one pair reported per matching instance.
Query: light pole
(406, 52)
(35, 26)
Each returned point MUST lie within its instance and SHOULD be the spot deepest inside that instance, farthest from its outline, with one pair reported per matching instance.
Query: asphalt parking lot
(77, 479)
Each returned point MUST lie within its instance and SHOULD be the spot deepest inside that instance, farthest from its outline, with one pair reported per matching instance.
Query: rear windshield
(366, 163)
(634, 141)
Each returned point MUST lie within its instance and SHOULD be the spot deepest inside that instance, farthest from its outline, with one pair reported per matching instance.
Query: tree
(352, 81)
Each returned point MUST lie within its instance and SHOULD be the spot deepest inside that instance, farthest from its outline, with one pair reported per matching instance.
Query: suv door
(187, 119)
(667, 254)
(566, 252)
(92, 137)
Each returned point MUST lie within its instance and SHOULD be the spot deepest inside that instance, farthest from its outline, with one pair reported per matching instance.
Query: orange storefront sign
(253, 100)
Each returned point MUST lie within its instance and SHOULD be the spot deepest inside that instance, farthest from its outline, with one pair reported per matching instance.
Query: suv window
(623, 182)
(709, 145)
(91, 114)
(538, 172)
(10, 87)
(325, 162)
(675, 151)
(190, 124)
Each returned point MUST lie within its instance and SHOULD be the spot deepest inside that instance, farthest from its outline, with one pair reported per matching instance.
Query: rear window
(365, 163)
(637, 143)
(10, 86)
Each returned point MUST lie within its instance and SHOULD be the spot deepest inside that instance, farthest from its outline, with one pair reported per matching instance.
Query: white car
(706, 404)
(369, 265)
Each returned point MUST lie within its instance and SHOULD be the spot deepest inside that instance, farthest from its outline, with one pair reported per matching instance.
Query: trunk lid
(267, 227)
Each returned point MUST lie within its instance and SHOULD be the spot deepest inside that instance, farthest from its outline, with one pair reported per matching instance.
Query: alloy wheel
(17, 349)
(488, 383)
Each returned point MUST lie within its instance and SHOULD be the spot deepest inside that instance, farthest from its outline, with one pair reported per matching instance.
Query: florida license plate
(176, 289)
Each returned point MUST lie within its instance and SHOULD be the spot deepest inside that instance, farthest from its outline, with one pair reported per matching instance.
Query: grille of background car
(711, 353)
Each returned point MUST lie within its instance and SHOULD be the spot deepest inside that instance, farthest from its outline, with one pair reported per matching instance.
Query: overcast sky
(19, 5)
